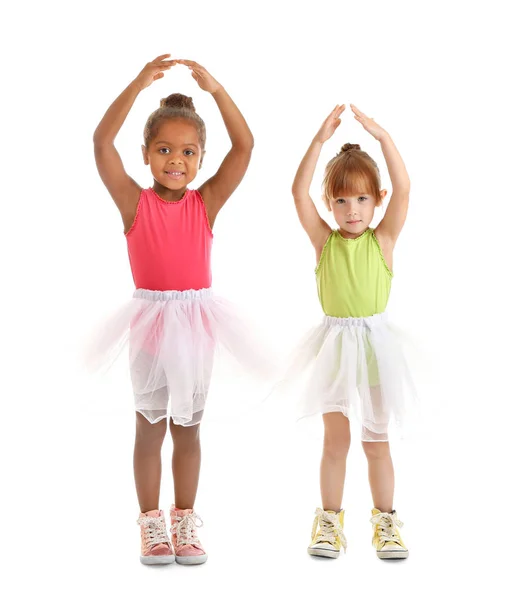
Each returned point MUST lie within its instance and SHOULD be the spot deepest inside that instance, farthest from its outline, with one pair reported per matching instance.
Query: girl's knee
(375, 450)
(149, 432)
(185, 436)
(336, 447)
(336, 443)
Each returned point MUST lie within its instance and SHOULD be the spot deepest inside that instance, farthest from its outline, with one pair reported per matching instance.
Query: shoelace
(154, 530)
(330, 528)
(387, 524)
(184, 529)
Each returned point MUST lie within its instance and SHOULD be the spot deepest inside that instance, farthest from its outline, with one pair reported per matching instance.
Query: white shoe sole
(323, 553)
(191, 560)
(393, 554)
(157, 560)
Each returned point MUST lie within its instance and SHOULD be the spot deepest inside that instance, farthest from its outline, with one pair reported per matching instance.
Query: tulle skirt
(174, 338)
(358, 367)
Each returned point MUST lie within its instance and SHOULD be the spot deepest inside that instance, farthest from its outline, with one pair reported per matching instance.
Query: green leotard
(352, 276)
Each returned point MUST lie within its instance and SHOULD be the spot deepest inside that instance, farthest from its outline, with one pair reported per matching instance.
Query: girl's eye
(340, 200)
(363, 198)
(164, 149)
(190, 152)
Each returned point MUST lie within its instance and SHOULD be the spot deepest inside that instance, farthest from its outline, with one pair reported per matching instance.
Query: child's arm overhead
(395, 216)
(218, 188)
(316, 228)
(123, 189)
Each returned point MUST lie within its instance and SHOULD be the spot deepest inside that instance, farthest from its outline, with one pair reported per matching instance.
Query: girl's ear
(145, 154)
(201, 159)
(383, 194)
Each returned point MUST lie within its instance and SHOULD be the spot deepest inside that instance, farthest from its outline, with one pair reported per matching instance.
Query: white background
(431, 75)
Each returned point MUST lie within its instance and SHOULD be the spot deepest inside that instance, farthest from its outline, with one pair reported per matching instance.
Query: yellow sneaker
(386, 538)
(330, 537)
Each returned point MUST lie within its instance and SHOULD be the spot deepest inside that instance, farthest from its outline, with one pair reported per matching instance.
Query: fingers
(161, 57)
(338, 110)
(359, 115)
(189, 63)
(160, 63)
(358, 112)
(167, 64)
(193, 66)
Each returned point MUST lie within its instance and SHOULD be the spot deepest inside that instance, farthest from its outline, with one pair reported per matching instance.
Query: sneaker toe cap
(393, 547)
(161, 550)
(190, 550)
(323, 546)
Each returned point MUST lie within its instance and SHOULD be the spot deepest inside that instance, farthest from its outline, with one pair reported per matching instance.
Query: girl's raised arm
(123, 189)
(218, 188)
(316, 228)
(392, 223)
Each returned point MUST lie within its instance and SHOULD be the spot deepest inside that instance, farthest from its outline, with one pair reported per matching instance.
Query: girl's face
(174, 155)
(354, 214)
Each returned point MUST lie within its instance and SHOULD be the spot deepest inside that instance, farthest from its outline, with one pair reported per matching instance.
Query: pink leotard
(169, 243)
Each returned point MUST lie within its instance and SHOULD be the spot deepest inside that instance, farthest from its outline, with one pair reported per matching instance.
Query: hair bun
(177, 101)
(348, 147)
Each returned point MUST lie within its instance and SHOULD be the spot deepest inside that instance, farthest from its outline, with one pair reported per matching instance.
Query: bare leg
(148, 461)
(333, 464)
(185, 463)
(381, 474)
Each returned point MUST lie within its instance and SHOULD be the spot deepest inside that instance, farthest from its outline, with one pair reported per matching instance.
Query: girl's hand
(330, 124)
(206, 81)
(368, 124)
(154, 70)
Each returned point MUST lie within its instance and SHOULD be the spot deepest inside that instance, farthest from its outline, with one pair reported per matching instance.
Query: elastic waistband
(356, 321)
(173, 294)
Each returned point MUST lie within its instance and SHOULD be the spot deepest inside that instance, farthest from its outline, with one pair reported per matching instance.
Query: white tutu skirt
(356, 366)
(174, 339)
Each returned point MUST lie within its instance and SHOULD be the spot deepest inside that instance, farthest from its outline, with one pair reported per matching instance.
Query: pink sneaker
(156, 548)
(188, 548)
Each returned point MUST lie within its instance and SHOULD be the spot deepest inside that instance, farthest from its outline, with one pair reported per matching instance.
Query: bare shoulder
(317, 229)
(128, 206)
(205, 191)
(211, 209)
(384, 240)
(124, 190)
(322, 242)
(387, 246)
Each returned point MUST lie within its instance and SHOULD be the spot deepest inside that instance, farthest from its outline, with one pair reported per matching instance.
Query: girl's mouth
(174, 174)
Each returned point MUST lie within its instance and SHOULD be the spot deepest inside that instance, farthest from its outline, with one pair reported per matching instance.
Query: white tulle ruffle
(174, 338)
(356, 366)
